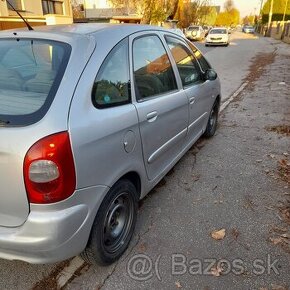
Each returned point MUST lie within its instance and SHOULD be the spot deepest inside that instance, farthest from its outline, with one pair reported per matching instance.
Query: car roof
(86, 28)
(219, 28)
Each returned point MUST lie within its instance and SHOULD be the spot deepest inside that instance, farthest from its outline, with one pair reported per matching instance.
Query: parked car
(218, 36)
(248, 29)
(87, 129)
(195, 32)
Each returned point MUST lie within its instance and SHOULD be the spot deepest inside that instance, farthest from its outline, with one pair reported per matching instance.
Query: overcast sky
(245, 7)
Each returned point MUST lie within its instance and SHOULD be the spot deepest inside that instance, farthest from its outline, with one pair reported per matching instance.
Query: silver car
(248, 29)
(91, 118)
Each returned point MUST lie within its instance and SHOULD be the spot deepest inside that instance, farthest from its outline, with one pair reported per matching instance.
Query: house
(36, 12)
(104, 11)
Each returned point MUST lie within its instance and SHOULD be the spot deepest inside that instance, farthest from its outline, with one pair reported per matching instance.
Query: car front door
(162, 108)
(195, 88)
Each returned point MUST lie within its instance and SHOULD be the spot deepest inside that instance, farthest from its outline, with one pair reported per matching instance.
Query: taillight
(49, 171)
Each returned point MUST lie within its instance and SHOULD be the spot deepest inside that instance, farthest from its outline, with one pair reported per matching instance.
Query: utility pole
(286, 5)
(270, 18)
(261, 7)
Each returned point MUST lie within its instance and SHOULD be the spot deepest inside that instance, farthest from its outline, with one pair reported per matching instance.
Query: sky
(246, 7)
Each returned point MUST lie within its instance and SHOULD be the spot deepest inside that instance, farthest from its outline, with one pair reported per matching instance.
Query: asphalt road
(221, 183)
(232, 62)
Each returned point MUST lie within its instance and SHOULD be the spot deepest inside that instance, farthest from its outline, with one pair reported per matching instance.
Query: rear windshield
(30, 73)
(218, 31)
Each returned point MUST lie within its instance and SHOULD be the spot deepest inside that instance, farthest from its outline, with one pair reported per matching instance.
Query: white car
(195, 32)
(218, 36)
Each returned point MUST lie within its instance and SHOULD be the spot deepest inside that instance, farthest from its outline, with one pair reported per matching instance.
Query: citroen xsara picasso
(91, 118)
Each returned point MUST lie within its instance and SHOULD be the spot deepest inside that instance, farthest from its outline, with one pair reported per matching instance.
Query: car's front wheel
(113, 226)
(212, 121)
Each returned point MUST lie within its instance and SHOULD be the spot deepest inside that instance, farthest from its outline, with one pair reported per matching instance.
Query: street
(229, 184)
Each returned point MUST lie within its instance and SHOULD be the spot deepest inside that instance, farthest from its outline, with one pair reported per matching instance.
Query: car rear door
(162, 108)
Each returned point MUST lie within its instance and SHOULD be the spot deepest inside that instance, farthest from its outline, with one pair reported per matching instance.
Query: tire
(113, 226)
(212, 121)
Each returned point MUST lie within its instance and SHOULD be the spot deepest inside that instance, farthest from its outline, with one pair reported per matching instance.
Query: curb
(233, 96)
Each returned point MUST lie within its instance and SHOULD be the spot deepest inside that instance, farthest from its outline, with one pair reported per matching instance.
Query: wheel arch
(135, 178)
(218, 100)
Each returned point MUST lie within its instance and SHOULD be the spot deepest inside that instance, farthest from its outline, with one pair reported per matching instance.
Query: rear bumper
(53, 232)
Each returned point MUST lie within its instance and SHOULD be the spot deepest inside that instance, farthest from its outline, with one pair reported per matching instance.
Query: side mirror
(210, 75)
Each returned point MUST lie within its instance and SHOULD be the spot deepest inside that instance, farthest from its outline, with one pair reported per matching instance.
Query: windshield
(193, 28)
(218, 31)
(30, 72)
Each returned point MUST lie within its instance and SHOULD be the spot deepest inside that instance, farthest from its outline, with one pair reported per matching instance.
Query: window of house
(16, 4)
(153, 73)
(112, 84)
(52, 7)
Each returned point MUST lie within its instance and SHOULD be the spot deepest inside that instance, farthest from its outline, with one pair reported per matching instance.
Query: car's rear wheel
(212, 121)
(113, 226)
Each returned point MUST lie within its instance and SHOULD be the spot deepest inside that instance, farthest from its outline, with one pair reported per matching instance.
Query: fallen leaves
(177, 284)
(278, 287)
(218, 234)
(280, 129)
(284, 169)
(216, 271)
(285, 213)
(276, 241)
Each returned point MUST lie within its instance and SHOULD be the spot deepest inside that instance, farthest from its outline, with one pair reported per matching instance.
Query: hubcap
(118, 222)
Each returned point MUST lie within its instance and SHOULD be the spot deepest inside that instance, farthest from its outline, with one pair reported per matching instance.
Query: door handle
(192, 100)
(151, 117)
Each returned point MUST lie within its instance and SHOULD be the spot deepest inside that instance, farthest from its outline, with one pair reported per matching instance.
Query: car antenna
(27, 24)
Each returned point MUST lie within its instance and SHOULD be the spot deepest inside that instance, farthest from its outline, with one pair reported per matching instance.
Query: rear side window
(111, 87)
(30, 73)
(153, 72)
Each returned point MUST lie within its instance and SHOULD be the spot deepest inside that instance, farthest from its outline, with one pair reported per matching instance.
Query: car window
(218, 31)
(153, 73)
(201, 59)
(193, 28)
(111, 86)
(187, 65)
(30, 73)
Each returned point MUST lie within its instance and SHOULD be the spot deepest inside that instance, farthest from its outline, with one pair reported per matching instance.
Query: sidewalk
(234, 181)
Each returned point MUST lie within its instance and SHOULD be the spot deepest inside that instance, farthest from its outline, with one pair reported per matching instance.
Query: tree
(154, 11)
(192, 12)
(229, 5)
(278, 10)
(249, 19)
(231, 15)
(77, 9)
